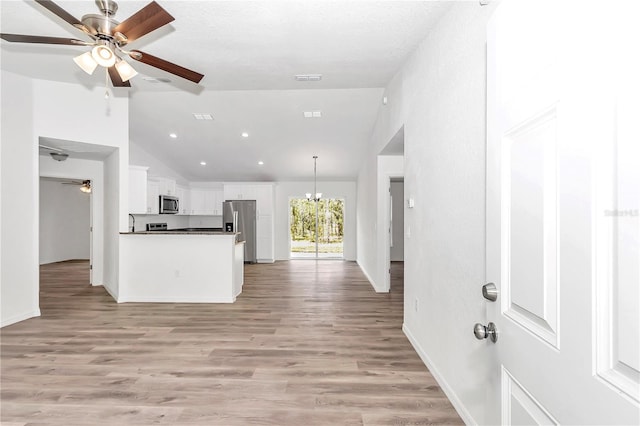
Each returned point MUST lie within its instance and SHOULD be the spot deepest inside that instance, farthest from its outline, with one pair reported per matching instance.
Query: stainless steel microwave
(169, 204)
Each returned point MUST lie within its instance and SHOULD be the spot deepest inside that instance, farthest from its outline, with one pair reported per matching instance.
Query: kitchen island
(180, 266)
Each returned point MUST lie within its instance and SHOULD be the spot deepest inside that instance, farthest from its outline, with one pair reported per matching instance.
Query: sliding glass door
(316, 228)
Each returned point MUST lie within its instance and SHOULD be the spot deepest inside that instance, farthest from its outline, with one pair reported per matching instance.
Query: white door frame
(91, 213)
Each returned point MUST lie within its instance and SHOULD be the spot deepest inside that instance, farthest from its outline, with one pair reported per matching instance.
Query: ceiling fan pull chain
(106, 83)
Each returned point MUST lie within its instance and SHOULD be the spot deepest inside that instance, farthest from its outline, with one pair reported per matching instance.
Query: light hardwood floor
(306, 343)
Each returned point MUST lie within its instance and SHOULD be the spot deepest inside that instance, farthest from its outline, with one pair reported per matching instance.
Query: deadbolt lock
(490, 292)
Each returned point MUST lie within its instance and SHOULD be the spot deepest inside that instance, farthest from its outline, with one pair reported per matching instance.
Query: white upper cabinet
(235, 191)
(153, 196)
(197, 201)
(138, 189)
(167, 186)
(184, 199)
(262, 193)
(264, 199)
(206, 201)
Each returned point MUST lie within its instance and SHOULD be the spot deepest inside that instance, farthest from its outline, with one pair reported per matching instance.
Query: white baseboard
(371, 281)
(446, 388)
(113, 296)
(21, 317)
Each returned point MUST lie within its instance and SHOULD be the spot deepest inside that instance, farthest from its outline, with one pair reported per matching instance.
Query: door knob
(489, 331)
(490, 292)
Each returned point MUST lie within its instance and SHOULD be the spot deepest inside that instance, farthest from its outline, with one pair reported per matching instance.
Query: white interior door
(563, 223)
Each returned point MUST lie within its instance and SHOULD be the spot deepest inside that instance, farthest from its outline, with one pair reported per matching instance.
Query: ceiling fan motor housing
(100, 26)
(108, 7)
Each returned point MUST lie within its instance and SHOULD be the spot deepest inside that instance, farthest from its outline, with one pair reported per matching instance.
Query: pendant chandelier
(318, 195)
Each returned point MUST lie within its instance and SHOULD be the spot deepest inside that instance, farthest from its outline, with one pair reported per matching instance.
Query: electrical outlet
(416, 304)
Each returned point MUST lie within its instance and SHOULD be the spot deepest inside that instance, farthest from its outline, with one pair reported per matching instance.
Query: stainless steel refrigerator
(240, 216)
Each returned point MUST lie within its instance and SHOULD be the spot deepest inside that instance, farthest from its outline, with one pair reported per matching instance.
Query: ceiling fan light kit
(59, 156)
(125, 70)
(108, 39)
(103, 56)
(86, 187)
(86, 62)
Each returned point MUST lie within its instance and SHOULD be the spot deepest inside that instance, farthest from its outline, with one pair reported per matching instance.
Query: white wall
(111, 223)
(19, 227)
(32, 109)
(139, 157)
(388, 167)
(439, 97)
(87, 169)
(86, 110)
(397, 222)
(64, 222)
(286, 190)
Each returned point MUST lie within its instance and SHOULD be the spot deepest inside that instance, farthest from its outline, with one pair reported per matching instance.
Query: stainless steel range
(157, 226)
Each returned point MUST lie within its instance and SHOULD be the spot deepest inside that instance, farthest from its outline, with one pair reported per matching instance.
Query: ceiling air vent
(156, 80)
(308, 77)
(202, 116)
(312, 114)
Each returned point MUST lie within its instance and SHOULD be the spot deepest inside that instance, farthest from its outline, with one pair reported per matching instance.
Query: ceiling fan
(109, 38)
(85, 185)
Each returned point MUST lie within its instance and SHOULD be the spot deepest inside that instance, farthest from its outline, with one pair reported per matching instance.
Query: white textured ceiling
(249, 52)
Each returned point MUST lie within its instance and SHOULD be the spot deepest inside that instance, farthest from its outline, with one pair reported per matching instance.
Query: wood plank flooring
(306, 343)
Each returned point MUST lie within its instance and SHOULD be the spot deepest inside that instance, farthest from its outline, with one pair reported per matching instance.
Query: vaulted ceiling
(249, 52)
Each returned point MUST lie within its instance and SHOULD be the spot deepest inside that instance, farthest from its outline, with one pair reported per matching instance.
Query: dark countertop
(183, 231)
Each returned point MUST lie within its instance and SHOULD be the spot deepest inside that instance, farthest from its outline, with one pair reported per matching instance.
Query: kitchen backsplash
(205, 221)
(176, 221)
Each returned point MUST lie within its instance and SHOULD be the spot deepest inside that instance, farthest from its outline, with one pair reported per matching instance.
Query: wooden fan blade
(60, 12)
(19, 38)
(166, 66)
(115, 78)
(147, 19)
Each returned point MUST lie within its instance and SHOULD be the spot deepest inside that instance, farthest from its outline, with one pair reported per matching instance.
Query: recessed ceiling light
(203, 163)
(260, 163)
(245, 134)
(173, 135)
(202, 116)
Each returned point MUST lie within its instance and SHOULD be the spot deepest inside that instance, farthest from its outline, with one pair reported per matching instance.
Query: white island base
(180, 268)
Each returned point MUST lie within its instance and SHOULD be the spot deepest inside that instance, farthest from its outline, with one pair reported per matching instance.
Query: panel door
(563, 230)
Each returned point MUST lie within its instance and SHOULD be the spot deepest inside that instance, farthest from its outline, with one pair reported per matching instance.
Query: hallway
(307, 342)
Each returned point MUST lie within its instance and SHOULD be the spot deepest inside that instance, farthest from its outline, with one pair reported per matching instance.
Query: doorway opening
(316, 228)
(396, 230)
(65, 221)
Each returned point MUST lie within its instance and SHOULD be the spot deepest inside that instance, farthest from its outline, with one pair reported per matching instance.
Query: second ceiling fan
(109, 38)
